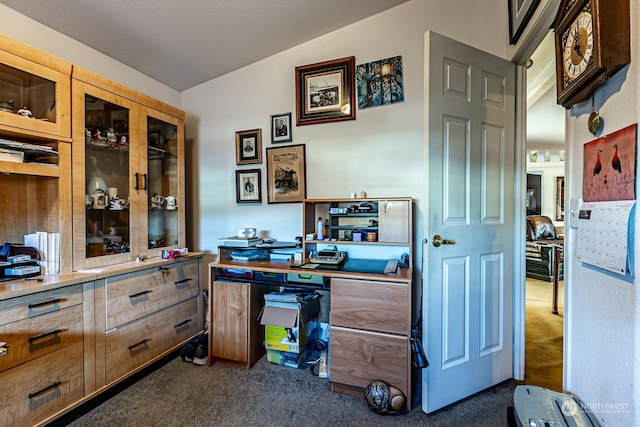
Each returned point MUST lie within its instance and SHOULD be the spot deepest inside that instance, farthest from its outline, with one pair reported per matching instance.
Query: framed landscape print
(325, 92)
(248, 186)
(286, 174)
(249, 146)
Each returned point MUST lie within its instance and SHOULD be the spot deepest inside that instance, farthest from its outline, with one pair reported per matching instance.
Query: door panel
(469, 281)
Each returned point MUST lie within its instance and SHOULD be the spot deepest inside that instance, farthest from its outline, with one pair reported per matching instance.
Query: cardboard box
(287, 324)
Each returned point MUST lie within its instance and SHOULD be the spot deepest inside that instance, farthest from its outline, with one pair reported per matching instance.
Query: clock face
(578, 46)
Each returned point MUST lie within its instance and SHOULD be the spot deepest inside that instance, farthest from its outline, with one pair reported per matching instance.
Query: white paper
(603, 234)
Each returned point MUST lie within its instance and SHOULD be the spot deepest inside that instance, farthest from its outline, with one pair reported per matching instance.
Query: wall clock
(592, 44)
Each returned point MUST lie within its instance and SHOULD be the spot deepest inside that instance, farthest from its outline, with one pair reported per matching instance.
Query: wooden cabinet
(143, 315)
(128, 173)
(369, 336)
(42, 370)
(384, 222)
(236, 336)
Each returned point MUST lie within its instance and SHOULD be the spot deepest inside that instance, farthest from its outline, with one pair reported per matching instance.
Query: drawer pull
(44, 390)
(54, 332)
(139, 343)
(184, 322)
(42, 304)
(180, 282)
(139, 294)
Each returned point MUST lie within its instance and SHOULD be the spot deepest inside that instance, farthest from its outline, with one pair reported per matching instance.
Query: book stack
(48, 244)
(240, 242)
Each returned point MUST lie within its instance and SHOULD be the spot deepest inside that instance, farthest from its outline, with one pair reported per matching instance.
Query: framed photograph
(380, 82)
(249, 146)
(325, 92)
(286, 174)
(248, 186)
(281, 128)
(520, 13)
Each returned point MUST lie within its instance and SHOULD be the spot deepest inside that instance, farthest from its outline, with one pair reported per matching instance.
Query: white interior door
(468, 280)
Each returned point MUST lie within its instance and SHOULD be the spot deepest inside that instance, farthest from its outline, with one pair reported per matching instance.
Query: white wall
(602, 335)
(381, 152)
(26, 30)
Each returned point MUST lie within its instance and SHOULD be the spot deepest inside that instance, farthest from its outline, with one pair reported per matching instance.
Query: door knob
(438, 240)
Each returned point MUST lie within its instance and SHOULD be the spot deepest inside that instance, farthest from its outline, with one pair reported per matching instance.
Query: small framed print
(248, 186)
(286, 174)
(325, 92)
(281, 128)
(249, 146)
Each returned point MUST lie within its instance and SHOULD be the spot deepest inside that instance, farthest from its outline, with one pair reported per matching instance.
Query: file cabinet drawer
(135, 295)
(371, 305)
(30, 338)
(135, 344)
(37, 389)
(39, 303)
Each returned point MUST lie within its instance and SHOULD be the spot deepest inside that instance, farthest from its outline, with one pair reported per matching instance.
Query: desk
(370, 326)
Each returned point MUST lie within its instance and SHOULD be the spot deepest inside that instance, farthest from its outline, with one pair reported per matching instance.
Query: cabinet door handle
(184, 322)
(144, 181)
(137, 186)
(42, 304)
(44, 390)
(54, 332)
(139, 343)
(139, 294)
(179, 282)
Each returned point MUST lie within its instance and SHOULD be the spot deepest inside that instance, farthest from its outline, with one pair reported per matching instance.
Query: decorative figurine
(24, 111)
(111, 135)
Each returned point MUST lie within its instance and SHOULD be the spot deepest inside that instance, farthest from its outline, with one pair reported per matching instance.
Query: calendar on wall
(605, 237)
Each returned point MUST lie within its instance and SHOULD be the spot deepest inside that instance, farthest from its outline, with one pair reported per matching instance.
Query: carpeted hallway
(544, 335)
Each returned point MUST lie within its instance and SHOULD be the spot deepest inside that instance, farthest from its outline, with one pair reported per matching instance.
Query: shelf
(32, 169)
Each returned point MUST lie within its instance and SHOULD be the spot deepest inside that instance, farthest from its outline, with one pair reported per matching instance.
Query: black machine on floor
(539, 407)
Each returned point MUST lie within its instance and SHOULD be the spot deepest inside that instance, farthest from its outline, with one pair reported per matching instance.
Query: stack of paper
(48, 244)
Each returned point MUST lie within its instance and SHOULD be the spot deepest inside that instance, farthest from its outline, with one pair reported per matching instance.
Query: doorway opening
(545, 145)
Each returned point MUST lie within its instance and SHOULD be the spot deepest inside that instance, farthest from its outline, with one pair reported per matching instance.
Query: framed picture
(286, 174)
(249, 146)
(380, 82)
(530, 200)
(325, 92)
(520, 13)
(248, 186)
(281, 128)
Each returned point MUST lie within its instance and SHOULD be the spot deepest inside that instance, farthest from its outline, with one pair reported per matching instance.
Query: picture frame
(281, 128)
(249, 186)
(530, 200)
(249, 146)
(325, 92)
(286, 174)
(520, 13)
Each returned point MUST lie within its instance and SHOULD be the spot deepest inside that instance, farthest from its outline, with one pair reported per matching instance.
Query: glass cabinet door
(164, 211)
(104, 195)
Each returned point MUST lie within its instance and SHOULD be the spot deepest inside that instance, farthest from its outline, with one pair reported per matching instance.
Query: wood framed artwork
(325, 92)
(286, 174)
(520, 13)
(281, 127)
(249, 146)
(248, 186)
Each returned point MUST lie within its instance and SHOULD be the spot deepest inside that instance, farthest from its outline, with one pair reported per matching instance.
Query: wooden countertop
(402, 275)
(20, 287)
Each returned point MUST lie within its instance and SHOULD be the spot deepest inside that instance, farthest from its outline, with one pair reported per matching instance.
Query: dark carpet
(181, 394)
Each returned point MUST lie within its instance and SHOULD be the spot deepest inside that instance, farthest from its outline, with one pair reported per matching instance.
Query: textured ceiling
(184, 43)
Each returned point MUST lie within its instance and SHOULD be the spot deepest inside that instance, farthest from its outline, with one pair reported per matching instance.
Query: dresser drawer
(33, 337)
(371, 305)
(35, 390)
(39, 303)
(358, 357)
(135, 295)
(137, 343)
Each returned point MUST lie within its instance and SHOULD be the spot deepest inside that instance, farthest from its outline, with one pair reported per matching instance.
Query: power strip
(322, 366)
